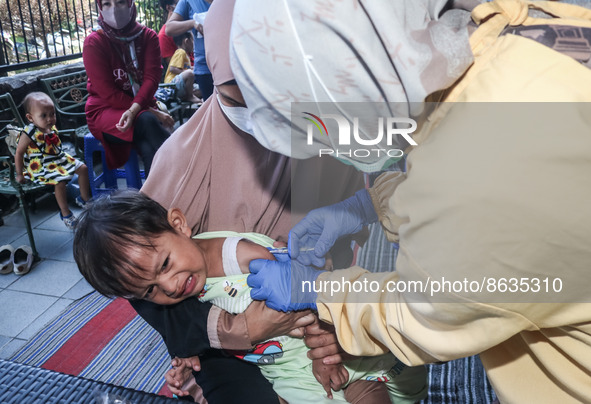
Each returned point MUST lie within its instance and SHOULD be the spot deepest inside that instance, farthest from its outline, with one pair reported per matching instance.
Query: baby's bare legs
(62, 198)
(83, 182)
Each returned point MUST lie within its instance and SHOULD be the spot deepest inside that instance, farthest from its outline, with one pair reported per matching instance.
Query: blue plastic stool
(130, 171)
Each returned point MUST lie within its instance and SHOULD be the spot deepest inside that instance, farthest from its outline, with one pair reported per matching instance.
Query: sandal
(6, 259)
(23, 259)
(70, 221)
(80, 202)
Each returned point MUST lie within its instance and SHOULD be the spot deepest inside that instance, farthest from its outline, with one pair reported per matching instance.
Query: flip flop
(23, 259)
(6, 259)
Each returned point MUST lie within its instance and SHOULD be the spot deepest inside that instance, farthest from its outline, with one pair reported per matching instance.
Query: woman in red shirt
(122, 61)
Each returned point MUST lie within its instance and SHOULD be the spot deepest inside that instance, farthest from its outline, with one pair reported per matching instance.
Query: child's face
(175, 269)
(188, 44)
(170, 7)
(42, 114)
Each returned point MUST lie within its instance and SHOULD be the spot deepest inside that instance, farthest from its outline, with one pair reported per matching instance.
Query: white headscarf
(394, 53)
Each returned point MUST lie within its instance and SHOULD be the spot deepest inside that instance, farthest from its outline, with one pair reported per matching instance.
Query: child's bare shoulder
(247, 251)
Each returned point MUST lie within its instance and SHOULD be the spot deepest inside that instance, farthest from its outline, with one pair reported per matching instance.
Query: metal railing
(43, 32)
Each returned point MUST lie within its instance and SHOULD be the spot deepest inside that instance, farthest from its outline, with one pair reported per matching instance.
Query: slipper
(70, 221)
(81, 202)
(23, 259)
(6, 257)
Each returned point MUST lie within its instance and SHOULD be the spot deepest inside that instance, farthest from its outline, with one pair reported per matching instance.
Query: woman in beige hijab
(223, 179)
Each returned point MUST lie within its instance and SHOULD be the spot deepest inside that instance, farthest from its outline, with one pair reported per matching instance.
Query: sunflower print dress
(45, 161)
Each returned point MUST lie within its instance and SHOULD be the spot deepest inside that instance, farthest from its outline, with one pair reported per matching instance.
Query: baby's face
(42, 114)
(175, 269)
(188, 44)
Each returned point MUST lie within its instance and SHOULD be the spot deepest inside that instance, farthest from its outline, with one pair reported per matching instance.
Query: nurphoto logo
(348, 134)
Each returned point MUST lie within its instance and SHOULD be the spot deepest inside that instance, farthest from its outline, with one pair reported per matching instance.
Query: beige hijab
(219, 176)
(223, 179)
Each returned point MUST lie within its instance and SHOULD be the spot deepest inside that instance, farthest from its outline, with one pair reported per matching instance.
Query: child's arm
(19, 156)
(175, 70)
(262, 322)
(331, 377)
(247, 251)
(177, 63)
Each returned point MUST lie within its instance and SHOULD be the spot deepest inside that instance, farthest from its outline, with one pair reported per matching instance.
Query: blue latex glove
(321, 228)
(280, 284)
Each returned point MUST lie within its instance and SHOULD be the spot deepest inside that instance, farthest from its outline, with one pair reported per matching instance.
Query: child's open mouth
(189, 286)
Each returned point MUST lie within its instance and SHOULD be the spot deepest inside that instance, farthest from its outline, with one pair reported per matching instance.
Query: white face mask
(239, 116)
(117, 17)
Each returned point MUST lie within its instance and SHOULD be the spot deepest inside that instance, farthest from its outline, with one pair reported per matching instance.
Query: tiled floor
(30, 301)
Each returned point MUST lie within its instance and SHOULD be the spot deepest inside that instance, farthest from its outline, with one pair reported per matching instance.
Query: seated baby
(152, 256)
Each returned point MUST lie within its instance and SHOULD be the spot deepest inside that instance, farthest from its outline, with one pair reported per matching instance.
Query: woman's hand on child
(264, 323)
(322, 340)
(331, 377)
(181, 373)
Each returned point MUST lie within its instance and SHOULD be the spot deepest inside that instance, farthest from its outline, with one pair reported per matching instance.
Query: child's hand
(20, 178)
(331, 377)
(181, 373)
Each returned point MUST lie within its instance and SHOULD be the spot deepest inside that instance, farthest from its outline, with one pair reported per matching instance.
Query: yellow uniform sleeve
(497, 193)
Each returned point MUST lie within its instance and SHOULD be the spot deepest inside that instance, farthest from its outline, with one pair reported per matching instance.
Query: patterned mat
(101, 339)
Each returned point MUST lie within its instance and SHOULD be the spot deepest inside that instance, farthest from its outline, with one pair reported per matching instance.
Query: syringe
(284, 250)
